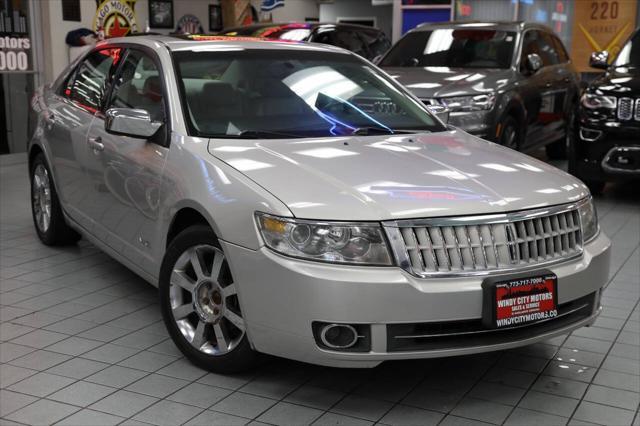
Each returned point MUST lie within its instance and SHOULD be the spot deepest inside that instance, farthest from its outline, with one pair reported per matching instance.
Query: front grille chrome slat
(482, 244)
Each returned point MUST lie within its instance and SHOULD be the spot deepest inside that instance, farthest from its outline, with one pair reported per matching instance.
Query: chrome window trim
(401, 255)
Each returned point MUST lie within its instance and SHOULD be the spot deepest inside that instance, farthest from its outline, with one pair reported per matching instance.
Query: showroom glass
(88, 87)
(630, 53)
(284, 93)
(463, 48)
(139, 86)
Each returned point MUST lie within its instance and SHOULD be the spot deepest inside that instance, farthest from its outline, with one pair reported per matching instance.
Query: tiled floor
(82, 344)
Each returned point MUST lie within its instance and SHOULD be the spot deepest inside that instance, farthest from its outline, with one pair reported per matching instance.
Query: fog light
(589, 135)
(339, 336)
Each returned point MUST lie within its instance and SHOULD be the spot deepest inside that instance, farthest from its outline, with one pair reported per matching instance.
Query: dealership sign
(15, 54)
(115, 18)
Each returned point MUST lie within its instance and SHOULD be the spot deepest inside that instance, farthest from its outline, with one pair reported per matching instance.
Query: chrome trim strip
(585, 138)
(606, 167)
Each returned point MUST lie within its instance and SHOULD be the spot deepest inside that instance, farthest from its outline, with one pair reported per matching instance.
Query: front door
(130, 169)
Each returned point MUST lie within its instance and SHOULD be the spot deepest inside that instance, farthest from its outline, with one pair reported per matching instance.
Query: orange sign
(600, 25)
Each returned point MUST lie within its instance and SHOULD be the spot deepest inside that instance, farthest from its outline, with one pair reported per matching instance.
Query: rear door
(73, 109)
(129, 170)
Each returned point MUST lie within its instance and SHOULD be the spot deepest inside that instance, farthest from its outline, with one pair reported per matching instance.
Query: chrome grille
(625, 108)
(486, 243)
(637, 114)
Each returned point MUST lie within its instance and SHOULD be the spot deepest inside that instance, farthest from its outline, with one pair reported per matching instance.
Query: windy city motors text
(523, 306)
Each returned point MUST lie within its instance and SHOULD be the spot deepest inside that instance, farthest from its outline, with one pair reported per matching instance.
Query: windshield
(629, 56)
(297, 32)
(285, 93)
(464, 48)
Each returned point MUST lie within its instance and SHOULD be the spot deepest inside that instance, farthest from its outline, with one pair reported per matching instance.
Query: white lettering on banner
(13, 55)
(536, 316)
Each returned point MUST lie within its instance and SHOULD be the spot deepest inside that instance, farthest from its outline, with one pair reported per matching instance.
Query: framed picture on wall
(215, 17)
(161, 13)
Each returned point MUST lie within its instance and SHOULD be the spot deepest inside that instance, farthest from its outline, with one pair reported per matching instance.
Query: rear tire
(200, 305)
(510, 133)
(48, 219)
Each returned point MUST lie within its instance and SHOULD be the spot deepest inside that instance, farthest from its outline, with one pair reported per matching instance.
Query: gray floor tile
(452, 420)
(12, 401)
(40, 360)
(110, 353)
(547, 403)
(231, 381)
(614, 397)
(182, 369)
(433, 399)
(10, 351)
(90, 418)
(10, 331)
(81, 393)
(614, 379)
(77, 368)
(496, 392)
(116, 376)
(603, 414)
(202, 396)
(147, 361)
(505, 376)
(123, 403)
(244, 405)
(208, 418)
(284, 413)
(167, 413)
(74, 346)
(70, 326)
(41, 384)
(42, 412)
(363, 408)
(403, 415)
(333, 419)
(486, 411)
(10, 374)
(622, 365)
(157, 385)
(524, 417)
(560, 386)
(577, 372)
(271, 386)
(315, 397)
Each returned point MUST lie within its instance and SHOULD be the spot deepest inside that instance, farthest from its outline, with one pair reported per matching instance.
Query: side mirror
(130, 122)
(440, 111)
(599, 60)
(533, 63)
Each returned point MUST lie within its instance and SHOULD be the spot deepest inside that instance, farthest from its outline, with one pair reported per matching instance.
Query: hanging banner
(600, 25)
(15, 40)
(115, 18)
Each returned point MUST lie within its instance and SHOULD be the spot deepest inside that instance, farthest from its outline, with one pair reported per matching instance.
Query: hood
(620, 81)
(436, 82)
(398, 176)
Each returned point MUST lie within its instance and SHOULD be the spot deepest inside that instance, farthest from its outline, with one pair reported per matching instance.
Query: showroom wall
(330, 12)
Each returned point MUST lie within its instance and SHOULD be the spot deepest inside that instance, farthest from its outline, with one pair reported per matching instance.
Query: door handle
(96, 143)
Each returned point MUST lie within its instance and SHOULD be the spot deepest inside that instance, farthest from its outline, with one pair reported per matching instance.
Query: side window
(138, 86)
(540, 43)
(377, 43)
(563, 56)
(549, 52)
(349, 40)
(89, 85)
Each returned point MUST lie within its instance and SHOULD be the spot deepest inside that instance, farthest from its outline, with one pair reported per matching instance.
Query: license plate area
(519, 300)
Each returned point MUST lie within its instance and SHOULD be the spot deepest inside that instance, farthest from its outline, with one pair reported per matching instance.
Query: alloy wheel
(41, 197)
(204, 301)
(509, 137)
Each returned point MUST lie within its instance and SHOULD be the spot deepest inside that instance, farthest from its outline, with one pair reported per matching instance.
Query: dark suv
(367, 42)
(509, 82)
(607, 144)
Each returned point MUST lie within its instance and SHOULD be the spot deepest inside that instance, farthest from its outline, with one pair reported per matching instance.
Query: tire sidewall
(507, 122)
(47, 237)
(242, 356)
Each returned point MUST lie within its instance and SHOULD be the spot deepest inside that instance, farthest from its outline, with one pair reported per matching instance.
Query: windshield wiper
(373, 130)
(255, 134)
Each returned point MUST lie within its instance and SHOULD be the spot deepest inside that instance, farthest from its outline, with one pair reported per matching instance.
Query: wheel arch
(33, 152)
(187, 214)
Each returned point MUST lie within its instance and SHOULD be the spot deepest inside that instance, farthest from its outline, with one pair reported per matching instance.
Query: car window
(290, 93)
(454, 48)
(377, 43)
(540, 43)
(563, 56)
(348, 39)
(138, 86)
(88, 86)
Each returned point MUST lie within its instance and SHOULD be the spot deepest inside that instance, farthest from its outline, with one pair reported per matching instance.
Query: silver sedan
(294, 200)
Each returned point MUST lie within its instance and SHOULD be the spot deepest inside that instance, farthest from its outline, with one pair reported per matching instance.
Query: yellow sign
(600, 25)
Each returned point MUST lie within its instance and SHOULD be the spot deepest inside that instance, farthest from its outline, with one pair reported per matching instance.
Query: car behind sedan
(291, 199)
(512, 83)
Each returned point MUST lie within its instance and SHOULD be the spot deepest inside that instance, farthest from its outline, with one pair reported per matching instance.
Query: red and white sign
(525, 300)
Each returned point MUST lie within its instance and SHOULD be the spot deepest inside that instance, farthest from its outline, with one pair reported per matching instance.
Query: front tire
(200, 304)
(510, 134)
(48, 218)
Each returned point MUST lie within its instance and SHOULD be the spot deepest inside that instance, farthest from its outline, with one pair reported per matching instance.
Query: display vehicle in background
(366, 41)
(293, 200)
(512, 83)
(607, 142)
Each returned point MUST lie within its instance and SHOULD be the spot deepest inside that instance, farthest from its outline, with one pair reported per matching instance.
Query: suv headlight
(589, 220)
(482, 102)
(594, 101)
(334, 242)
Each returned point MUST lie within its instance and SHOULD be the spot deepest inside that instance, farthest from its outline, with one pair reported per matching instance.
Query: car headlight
(589, 220)
(332, 242)
(482, 102)
(594, 101)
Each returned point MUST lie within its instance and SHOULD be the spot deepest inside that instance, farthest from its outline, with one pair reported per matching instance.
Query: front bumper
(281, 297)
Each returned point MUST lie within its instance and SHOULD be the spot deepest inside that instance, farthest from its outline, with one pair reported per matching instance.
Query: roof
(497, 25)
(311, 25)
(175, 43)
